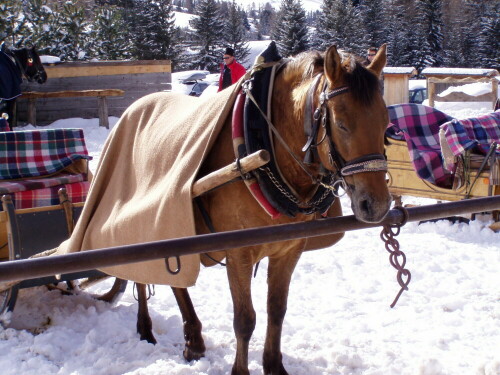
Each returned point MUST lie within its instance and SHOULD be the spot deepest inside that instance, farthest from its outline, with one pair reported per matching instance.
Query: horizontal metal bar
(91, 259)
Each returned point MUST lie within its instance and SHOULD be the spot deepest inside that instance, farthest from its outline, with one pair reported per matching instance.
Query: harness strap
(278, 135)
(366, 163)
(311, 122)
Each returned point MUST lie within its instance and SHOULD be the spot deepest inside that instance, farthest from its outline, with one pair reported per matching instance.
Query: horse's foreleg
(144, 324)
(239, 271)
(279, 275)
(195, 346)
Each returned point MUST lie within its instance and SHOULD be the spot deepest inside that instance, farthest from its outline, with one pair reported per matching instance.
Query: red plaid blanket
(77, 192)
(419, 126)
(34, 153)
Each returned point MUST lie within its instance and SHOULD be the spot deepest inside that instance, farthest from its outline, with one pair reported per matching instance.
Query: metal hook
(167, 264)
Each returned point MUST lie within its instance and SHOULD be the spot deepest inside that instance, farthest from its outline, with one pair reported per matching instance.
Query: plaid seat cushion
(34, 153)
(77, 192)
(419, 125)
(15, 186)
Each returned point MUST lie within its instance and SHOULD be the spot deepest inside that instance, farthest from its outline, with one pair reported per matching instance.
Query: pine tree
(398, 33)
(12, 23)
(109, 35)
(235, 33)
(373, 18)
(207, 36)
(156, 34)
(72, 32)
(430, 51)
(290, 30)
(340, 23)
(266, 20)
(42, 24)
(488, 41)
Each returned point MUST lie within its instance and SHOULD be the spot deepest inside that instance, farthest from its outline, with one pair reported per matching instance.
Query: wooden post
(431, 91)
(494, 91)
(102, 108)
(32, 111)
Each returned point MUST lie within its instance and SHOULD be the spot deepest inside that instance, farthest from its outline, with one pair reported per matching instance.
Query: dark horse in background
(349, 140)
(14, 65)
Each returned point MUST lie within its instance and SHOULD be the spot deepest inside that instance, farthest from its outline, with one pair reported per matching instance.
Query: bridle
(30, 62)
(327, 180)
(319, 117)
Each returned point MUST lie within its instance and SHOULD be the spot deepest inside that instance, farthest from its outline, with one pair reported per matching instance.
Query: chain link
(311, 204)
(397, 258)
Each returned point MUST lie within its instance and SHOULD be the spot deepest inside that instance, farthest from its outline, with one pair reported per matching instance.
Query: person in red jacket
(231, 71)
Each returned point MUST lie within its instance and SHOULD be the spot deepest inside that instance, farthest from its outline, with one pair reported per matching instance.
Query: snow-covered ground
(338, 322)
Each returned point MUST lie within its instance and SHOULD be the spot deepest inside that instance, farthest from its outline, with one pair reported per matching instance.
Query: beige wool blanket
(141, 191)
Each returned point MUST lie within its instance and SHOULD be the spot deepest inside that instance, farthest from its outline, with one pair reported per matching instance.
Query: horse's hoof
(149, 338)
(192, 355)
(280, 371)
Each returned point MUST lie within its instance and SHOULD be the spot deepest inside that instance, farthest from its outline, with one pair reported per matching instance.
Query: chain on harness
(397, 258)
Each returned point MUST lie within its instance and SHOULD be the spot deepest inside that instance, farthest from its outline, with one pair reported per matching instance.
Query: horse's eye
(341, 125)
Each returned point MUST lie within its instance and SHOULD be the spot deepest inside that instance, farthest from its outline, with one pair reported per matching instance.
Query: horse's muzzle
(370, 209)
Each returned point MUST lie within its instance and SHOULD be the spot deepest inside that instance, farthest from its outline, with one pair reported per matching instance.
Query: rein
(365, 163)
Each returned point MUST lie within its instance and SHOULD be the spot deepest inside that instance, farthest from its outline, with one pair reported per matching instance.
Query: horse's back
(10, 78)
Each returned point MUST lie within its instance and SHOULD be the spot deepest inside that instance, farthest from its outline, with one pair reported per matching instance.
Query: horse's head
(355, 127)
(30, 64)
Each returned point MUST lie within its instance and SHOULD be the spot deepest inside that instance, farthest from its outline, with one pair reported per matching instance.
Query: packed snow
(338, 321)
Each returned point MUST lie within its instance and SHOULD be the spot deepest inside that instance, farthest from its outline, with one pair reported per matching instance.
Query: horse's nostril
(364, 205)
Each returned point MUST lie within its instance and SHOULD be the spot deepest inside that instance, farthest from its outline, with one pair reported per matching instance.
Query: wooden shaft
(226, 174)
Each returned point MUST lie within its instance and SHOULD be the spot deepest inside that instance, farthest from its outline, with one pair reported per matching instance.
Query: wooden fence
(439, 79)
(135, 78)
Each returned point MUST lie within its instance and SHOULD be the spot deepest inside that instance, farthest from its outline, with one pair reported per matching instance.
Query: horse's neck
(19, 57)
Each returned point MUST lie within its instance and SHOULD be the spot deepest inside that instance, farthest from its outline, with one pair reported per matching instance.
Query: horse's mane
(362, 83)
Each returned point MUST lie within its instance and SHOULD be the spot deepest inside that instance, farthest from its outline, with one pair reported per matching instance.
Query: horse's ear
(379, 60)
(333, 68)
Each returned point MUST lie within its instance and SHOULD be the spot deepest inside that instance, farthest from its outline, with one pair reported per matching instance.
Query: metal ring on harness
(167, 265)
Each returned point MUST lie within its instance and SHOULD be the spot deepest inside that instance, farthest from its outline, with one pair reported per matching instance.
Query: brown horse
(350, 143)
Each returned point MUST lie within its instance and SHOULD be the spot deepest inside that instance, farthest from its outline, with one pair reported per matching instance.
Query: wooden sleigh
(44, 180)
(478, 175)
(29, 232)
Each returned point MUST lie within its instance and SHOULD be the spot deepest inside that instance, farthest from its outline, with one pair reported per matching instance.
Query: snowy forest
(420, 33)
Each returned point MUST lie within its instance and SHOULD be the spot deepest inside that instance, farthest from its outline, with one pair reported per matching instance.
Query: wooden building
(396, 88)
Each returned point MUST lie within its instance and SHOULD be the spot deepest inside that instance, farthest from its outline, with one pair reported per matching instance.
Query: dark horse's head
(29, 63)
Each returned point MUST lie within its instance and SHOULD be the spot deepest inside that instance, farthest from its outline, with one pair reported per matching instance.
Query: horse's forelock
(363, 84)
